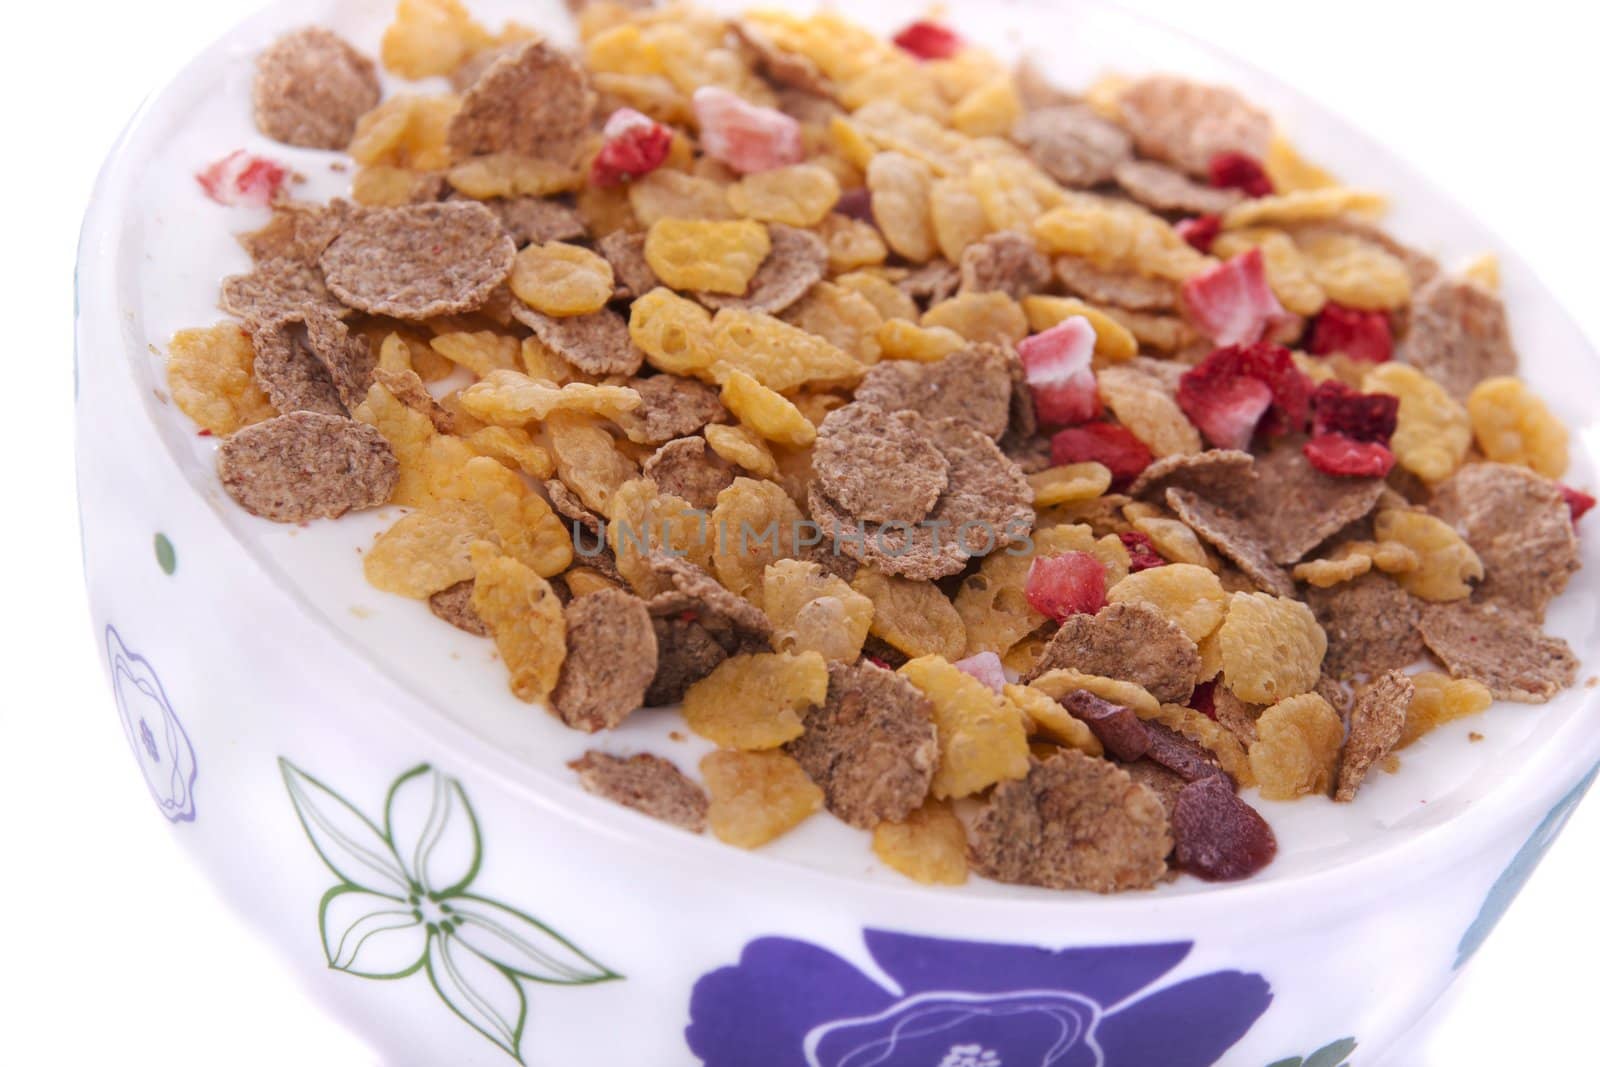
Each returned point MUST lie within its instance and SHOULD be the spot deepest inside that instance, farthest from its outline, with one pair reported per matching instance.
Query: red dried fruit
(635, 144)
(1219, 837)
(1142, 554)
(1236, 170)
(929, 40)
(1057, 366)
(985, 667)
(242, 178)
(1337, 408)
(1118, 728)
(745, 137)
(1204, 699)
(1106, 443)
(1237, 390)
(1338, 455)
(1231, 303)
(1577, 500)
(856, 204)
(1183, 757)
(1073, 583)
(1200, 231)
(1362, 335)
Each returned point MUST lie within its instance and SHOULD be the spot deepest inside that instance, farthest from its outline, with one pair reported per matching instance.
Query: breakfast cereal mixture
(1015, 476)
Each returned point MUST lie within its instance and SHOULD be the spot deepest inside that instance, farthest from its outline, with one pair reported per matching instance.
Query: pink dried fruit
(242, 179)
(1183, 757)
(1338, 409)
(1118, 728)
(1360, 335)
(1232, 303)
(1219, 837)
(986, 668)
(1142, 554)
(929, 40)
(1200, 231)
(1578, 502)
(1238, 170)
(1105, 443)
(634, 145)
(745, 137)
(1073, 583)
(1342, 457)
(1057, 366)
(1217, 396)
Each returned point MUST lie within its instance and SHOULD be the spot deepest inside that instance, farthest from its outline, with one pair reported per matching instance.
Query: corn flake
(754, 524)
(1113, 342)
(587, 458)
(1045, 716)
(913, 617)
(524, 614)
(1272, 647)
(1354, 272)
(211, 373)
(901, 187)
(1058, 683)
(981, 737)
(992, 318)
(756, 796)
(768, 413)
(1297, 750)
(673, 333)
(1448, 564)
(1432, 433)
(779, 356)
(758, 701)
(1069, 484)
(743, 448)
(1512, 425)
(428, 550)
(480, 352)
(929, 846)
(716, 257)
(812, 611)
(899, 339)
(1438, 699)
(561, 279)
(1190, 597)
(431, 37)
(508, 398)
(799, 195)
(1304, 205)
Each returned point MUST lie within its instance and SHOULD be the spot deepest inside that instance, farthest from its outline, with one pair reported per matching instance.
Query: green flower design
(1331, 1055)
(402, 903)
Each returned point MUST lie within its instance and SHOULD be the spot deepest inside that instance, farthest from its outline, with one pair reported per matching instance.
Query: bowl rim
(1523, 795)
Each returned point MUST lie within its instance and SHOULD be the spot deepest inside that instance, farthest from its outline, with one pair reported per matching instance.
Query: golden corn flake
(411, 435)
(768, 413)
(753, 524)
(899, 339)
(901, 187)
(1113, 342)
(1013, 192)
(481, 352)
(929, 847)
(842, 317)
(1058, 683)
(1483, 271)
(1173, 540)
(561, 279)
(669, 194)
(1291, 172)
(756, 796)
(508, 398)
(993, 317)
(581, 581)
(1045, 716)
(891, 301)
(743, 448)
(812, 611)
(211, 373)
(779, 356)
(851, 243)
(524, 614)
(1432, 433)
(644, 520)
(958, 216)
(488, 177)
(1354, 272)
(1304, 205)
(981, 737)
(1117, 236)
(587, 458)
(1145, 407)
(800, 195)
(1069, 484)
(989, 110)
(428, 550)
(716, 257)
(913, 617)
(1438, 699)
(673, 333)
(406, 131)
(431, 37)
(1288, 274)
(524, 524)
(513, 447)
(1297, 750)
(1210, 657)
(1512, 425)
(385, 186)
(1447, 563)
(1326, 573)
(1272, 647)
(1190, 597)
(756, 701)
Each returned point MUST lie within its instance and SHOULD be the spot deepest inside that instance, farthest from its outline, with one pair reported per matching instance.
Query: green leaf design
(1292, 1061)
(166, 555)
(402, 903)
(1332, 1055)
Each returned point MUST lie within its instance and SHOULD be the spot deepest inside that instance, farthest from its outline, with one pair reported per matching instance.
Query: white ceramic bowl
(358, 781)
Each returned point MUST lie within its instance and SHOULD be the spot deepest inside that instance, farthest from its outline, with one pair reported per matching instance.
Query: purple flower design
(787, 1003)
(158, 740)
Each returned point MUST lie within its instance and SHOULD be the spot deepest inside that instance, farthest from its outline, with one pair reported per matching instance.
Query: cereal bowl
(363, 788)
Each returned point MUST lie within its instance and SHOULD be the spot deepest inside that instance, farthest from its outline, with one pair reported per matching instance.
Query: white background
(114, 950)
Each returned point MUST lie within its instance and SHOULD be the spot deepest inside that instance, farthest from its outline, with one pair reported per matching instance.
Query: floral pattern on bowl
(160, 743)
(788, 1003)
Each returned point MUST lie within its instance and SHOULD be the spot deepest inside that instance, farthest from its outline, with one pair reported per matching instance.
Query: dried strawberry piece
(1106, 443)
(745, 137)
(1577, 500)
(985, 667)
(1238, 390)
(634, 145)
(1337, 408)
(1204, 699)
(1073, 583)
(1183, 757)
(240, 178)
(1200, 231)
(1057, 366)
(1237, 170)
(1118, 728)
(1219, 837)
(1338, 455)
(929, 40)
(1361, 335)
(1142, 554)
(1231, 303)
